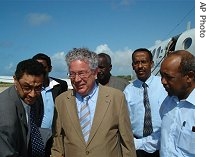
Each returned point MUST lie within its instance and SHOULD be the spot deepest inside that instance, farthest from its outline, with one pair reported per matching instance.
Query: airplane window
(161, 53)
(158, 51)
(153, 52)
(187, 43)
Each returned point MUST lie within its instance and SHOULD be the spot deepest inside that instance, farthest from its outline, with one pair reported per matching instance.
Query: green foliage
(3, 84)
(127, 77)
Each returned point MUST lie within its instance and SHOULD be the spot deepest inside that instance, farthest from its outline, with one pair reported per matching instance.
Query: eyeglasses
(28, 88)
(143, 62)
(81, 74)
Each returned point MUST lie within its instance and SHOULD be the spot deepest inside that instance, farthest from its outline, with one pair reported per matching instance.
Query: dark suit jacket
(110, 135)
(13, 125)
(39, 108)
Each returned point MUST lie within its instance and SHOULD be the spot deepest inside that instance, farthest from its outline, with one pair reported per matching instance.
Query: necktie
(147, 116)
(37, 145)
(85, 119)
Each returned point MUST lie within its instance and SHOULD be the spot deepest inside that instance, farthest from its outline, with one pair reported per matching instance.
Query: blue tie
(147, 115)
(85, 119)
(37, 145)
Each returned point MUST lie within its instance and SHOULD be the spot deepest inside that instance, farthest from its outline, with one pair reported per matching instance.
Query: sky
(116, 27)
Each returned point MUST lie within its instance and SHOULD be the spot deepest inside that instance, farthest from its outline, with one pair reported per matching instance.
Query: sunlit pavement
(2, 89)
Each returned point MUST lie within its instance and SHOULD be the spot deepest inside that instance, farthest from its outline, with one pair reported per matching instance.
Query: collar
(148, 81)
(52, 83)
(90, 94)
(190, 98)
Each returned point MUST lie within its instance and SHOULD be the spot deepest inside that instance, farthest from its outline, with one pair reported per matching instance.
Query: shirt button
(87, 152)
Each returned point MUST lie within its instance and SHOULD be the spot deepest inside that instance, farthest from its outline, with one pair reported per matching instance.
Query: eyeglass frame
(72, 75)
(142, 62)
(27, 91)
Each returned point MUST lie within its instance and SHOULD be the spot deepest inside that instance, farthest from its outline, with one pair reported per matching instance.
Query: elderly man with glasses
(91, 120)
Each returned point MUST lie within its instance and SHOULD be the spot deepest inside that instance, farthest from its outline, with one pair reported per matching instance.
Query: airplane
(182, 41)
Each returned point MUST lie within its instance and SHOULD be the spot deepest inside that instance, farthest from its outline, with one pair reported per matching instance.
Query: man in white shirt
(52, 87)
(178, 109)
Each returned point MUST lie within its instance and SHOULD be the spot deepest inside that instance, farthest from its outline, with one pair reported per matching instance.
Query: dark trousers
(142, 153)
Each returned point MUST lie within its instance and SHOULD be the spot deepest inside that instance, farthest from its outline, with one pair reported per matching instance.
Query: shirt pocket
(186, 141)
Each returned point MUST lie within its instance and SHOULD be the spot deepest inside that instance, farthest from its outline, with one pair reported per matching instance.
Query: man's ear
(133, 66)
(50, 69)
(15, 81)
(96, 73)
(191, 76)
(110, 67)
(152, 63)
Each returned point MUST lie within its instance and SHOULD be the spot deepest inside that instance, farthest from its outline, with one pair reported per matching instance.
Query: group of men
(102, 115)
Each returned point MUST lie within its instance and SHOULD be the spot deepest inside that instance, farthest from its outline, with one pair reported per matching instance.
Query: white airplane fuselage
(183, 41)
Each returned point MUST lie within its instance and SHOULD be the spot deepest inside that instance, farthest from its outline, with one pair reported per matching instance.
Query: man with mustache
(178, 109)
(146, 141)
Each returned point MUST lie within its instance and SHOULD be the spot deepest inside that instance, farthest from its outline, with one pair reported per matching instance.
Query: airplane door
(186, 41)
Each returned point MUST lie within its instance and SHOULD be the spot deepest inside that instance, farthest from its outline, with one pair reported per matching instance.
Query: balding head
(187, 60)
(178, 73)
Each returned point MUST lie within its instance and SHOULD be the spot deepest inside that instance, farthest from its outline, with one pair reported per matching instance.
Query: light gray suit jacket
(13, 125)
(110, 136)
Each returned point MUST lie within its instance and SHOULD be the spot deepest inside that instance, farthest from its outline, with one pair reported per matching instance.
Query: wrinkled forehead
(79, 64)
(171, 63)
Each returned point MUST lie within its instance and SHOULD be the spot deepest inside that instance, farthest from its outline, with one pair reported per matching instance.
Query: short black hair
(108, 58)
(145, 50)
(30, 67)
(43, 56)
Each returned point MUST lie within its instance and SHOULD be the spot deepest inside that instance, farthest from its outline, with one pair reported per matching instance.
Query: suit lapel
(22, 117)
(102, 105)
(21, 113)
(55, 91)
(71, 109)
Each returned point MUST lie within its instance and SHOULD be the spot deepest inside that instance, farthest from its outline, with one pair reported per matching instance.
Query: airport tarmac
(2, 89)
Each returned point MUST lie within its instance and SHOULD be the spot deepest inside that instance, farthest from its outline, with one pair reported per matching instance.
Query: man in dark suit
(52, 87)
(14, 104)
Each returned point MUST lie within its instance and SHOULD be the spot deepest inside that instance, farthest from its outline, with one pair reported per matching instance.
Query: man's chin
(169, 92)
(100, 77)
(29, 101)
